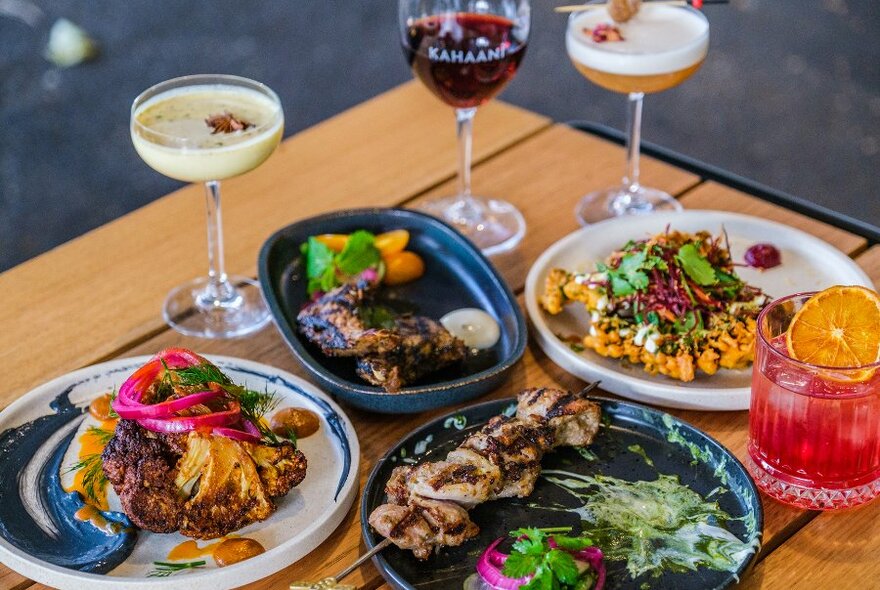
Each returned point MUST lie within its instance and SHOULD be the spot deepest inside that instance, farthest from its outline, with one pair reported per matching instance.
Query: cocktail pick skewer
(694, 3)
(332, 583)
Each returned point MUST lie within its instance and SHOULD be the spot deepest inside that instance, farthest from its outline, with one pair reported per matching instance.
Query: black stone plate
(700, 462)
(456, 275)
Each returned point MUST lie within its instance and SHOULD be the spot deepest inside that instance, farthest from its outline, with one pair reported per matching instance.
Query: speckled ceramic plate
(808, 264)
(635, 443)
(41, 539)
(456, 275)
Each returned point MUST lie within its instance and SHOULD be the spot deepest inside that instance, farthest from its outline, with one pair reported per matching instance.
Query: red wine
(465, 59)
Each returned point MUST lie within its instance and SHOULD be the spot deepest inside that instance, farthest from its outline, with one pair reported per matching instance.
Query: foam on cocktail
(171, 135)
(658, 40)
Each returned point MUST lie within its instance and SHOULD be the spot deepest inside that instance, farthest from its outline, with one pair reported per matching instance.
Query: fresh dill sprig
(101, 434)
(165, 569)
(113, 395)
(200, 375)
(254, 404)
(94, 481)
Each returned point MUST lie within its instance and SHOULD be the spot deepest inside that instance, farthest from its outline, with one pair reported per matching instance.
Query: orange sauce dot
(300, 421)
(235, 550)
(190, 550)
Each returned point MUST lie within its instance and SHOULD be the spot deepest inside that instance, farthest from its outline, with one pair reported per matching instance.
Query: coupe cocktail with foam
(206, 128)
(657, 49)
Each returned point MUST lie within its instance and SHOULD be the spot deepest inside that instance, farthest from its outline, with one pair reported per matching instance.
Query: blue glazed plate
(665, 445)
(456, 275)
(40, 538)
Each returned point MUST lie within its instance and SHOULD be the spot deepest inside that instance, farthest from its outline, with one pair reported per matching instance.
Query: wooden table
(99, 296)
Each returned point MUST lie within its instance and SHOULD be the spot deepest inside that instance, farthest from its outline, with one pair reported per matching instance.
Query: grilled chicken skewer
(428, 503)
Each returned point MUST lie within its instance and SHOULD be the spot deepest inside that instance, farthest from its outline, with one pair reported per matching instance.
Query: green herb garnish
(165, 568)
(550, 568)
(696, 266)
(326, 270)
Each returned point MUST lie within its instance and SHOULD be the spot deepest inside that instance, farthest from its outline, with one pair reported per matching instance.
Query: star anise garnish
(226, 122)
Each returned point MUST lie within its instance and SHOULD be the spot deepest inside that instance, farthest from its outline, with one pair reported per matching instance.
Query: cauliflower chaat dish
(671, 303)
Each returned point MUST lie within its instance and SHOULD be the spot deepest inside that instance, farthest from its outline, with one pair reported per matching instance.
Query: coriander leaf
(562, 565)
(533, 544)
(696, 266)
(637, 279)
(359, 253)
(653, 318)
(543, 580)
(620, 287)
(632, 262)
(518, 565)
(318, 258)
(572, 543)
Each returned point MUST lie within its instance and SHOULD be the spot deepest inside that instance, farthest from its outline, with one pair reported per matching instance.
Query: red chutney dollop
(763, 256)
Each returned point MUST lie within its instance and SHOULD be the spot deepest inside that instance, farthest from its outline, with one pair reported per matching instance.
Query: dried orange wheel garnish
(838, 327)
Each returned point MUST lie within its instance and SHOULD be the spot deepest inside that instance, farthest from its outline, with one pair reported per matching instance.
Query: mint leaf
(359, 253)
(518, 565)
(562, 565)
(318, 258)
(696, 266)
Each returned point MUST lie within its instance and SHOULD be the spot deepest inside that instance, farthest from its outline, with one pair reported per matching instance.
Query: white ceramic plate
(305, 517)
(808, 264)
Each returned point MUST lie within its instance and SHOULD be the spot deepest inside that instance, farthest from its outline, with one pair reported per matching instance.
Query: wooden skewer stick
(580, 7)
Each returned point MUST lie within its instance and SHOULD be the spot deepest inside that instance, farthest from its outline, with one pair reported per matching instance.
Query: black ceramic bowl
(456, 275)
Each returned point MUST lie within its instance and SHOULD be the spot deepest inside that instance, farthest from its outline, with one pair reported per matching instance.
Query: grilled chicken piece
(573, 419)
(500, 460)
(424, 525)
(205, 486)
(508, 444)
(423, 346)
(333, 324)
(463, 483)
(387, 357)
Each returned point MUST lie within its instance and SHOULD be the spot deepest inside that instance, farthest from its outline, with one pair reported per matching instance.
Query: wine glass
(660, 47)
(205, 128)
(465, 52)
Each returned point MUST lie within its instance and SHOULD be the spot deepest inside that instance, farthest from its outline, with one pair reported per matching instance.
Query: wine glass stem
(633, 141)
(467, 209)
(219, 289)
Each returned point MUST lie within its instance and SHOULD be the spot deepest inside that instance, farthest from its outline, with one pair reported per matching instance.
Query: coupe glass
(171, 132)
(661, 47)
(465, 52)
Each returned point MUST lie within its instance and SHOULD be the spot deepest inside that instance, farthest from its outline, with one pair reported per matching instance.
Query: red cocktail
(814, 431)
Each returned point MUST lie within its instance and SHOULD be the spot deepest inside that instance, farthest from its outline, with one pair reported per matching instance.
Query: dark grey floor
(790, 95)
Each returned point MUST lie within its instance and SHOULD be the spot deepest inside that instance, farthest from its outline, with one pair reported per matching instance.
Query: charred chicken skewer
(428, 503)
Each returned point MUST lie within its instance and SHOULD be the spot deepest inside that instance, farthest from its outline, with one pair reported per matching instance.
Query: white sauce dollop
(474, 326)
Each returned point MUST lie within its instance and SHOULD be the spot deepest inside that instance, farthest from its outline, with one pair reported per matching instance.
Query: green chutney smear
(654, 526)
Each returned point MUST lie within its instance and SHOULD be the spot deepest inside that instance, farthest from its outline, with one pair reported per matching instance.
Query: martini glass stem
(219, 290)
(630, 198)
(467, 210)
